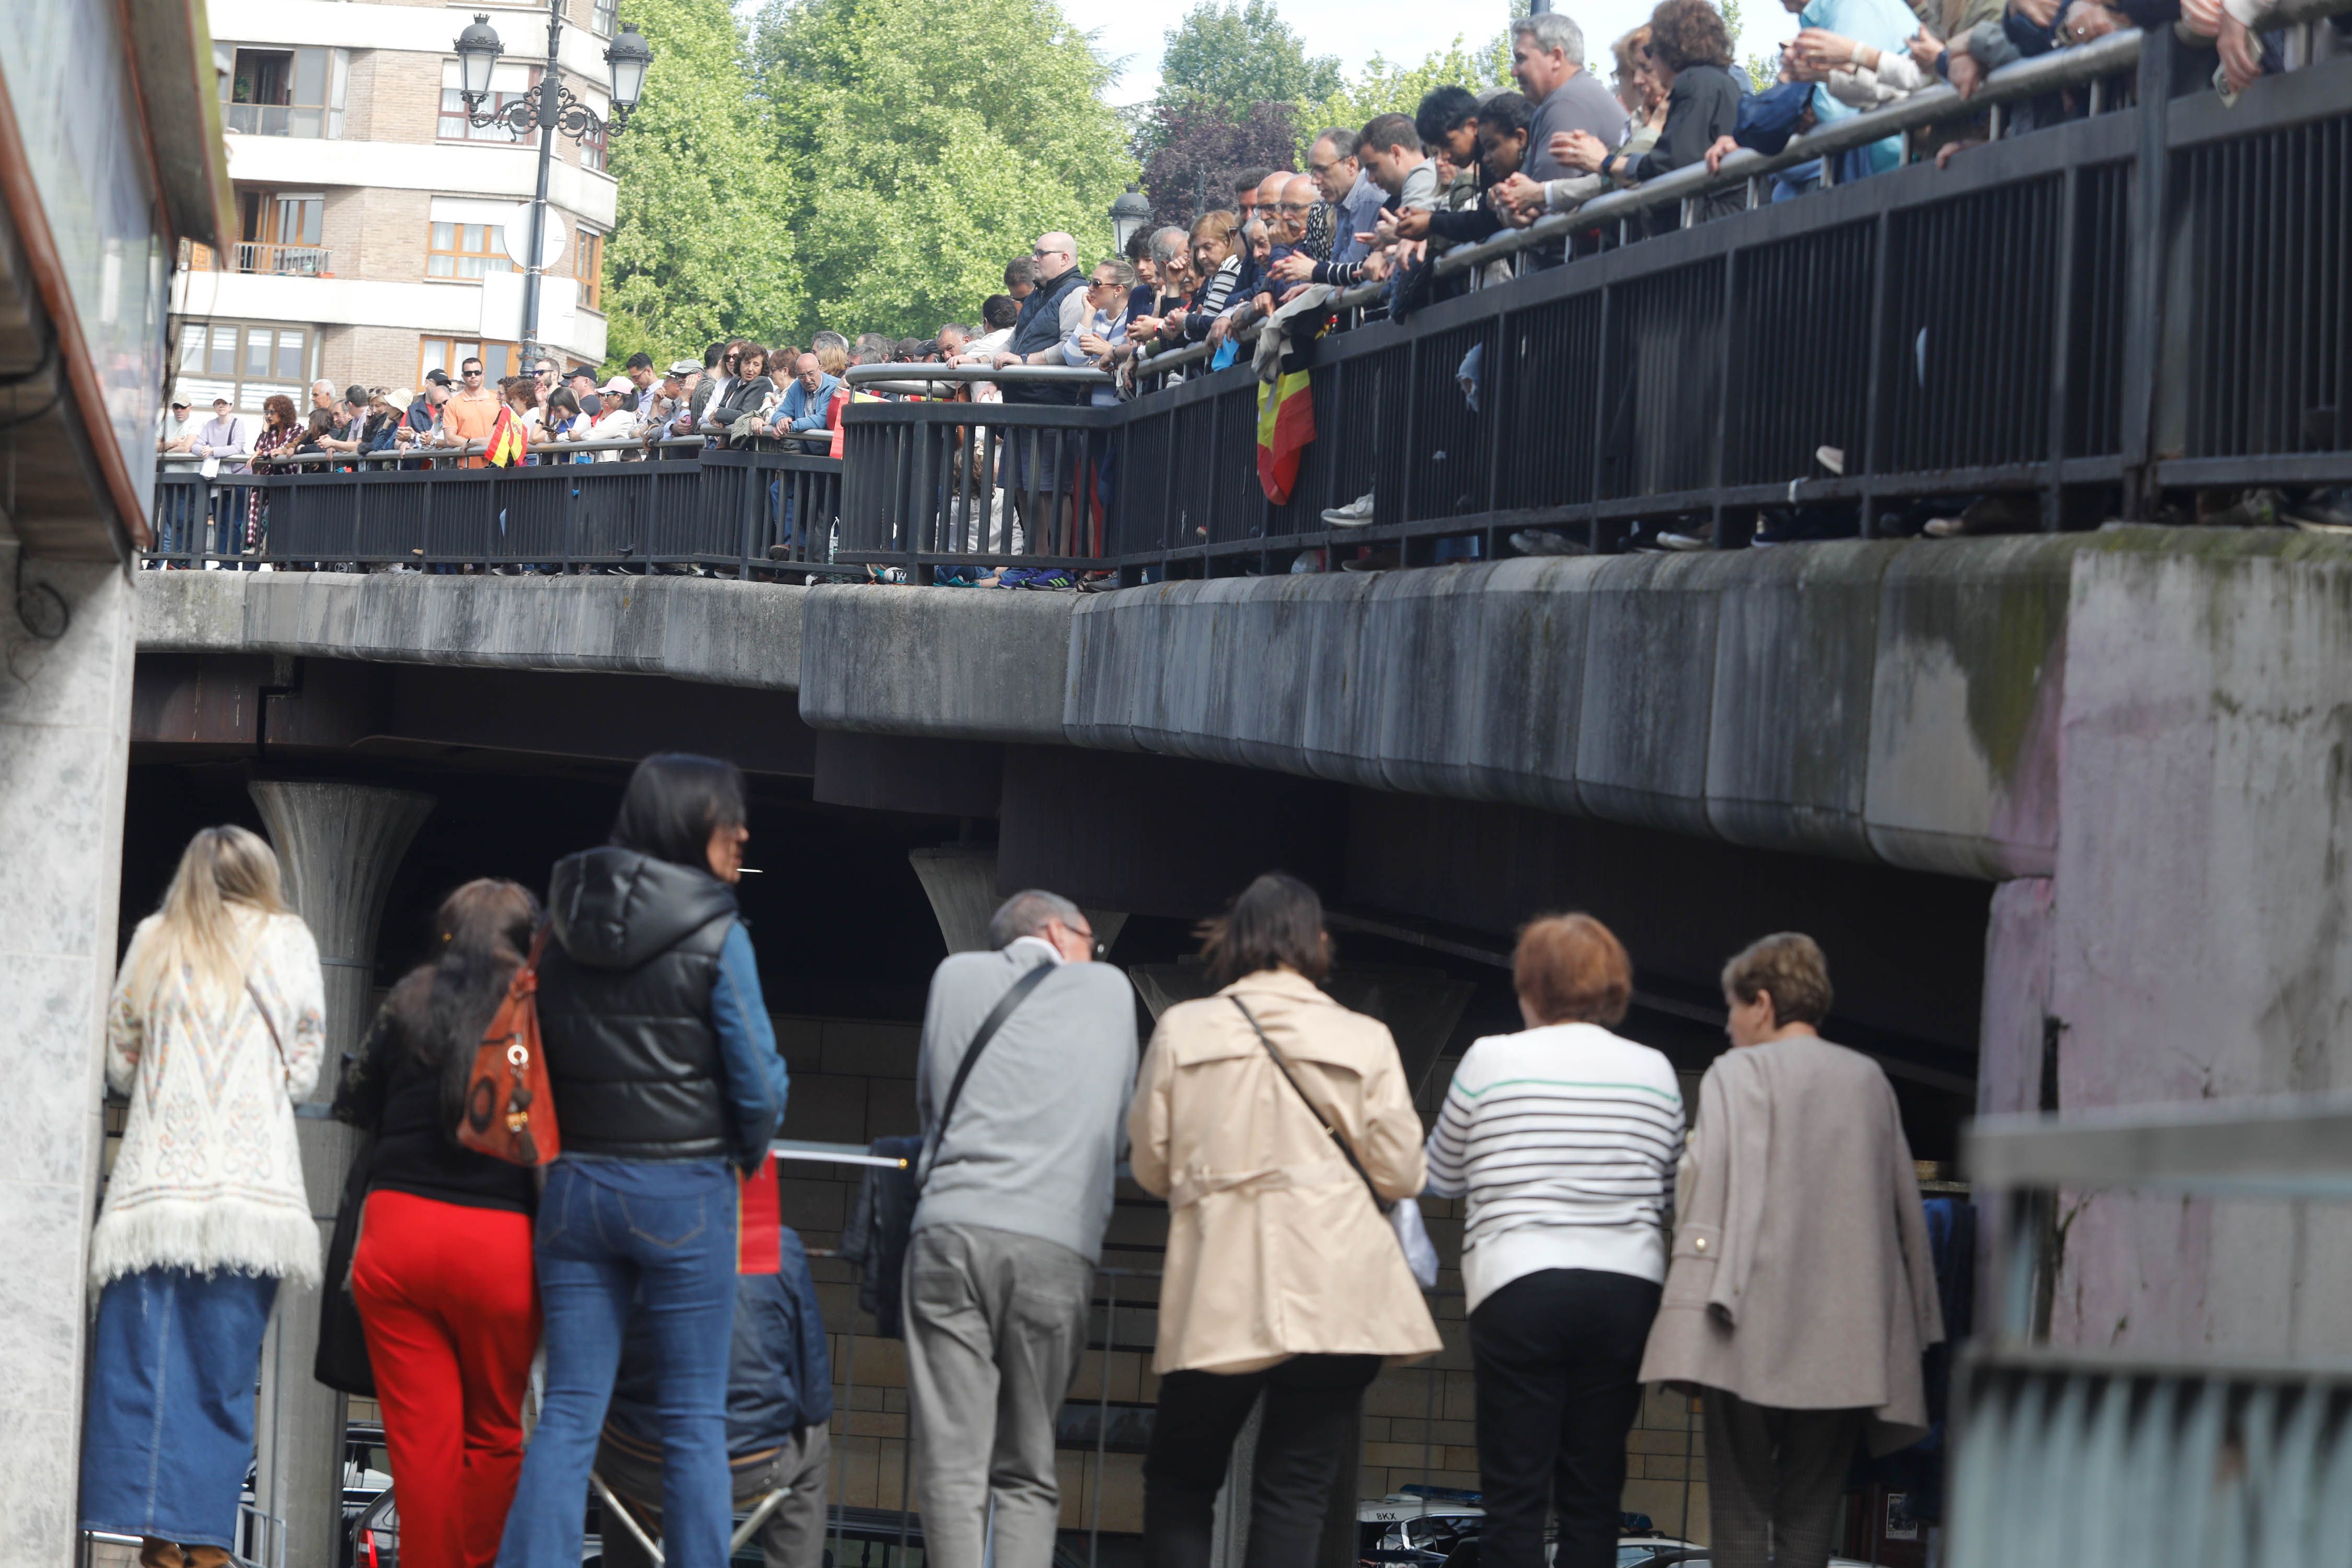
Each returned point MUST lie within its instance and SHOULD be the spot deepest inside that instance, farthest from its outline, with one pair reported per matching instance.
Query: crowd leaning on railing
(1472, 190)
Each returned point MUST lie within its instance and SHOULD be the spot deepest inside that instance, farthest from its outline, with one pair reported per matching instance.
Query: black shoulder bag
(878, 1235)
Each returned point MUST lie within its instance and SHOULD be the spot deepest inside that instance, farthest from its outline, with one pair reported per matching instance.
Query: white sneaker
(1355, 514)
(1537, 541)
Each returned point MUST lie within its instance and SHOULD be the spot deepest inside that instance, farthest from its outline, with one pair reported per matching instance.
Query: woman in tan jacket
(1263, 1114)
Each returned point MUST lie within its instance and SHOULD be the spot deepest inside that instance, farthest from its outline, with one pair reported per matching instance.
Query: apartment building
(371, 210)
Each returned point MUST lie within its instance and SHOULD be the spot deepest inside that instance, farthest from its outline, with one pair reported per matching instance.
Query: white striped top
(1564, 1139)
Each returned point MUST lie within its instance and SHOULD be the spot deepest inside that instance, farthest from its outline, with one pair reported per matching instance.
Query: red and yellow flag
(508, 440)
(1286, 424)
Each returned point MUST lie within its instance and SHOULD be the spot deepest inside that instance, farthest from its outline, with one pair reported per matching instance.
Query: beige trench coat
(1274, 1250)
(1801, 1275)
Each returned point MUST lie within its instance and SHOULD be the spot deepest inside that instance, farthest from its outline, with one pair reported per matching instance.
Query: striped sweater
(1564, 1139)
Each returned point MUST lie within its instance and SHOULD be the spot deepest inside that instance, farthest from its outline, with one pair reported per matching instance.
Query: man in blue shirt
(779, 1400)
(805, 401)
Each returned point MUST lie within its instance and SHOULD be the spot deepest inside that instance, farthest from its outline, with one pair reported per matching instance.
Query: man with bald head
(1055, 310)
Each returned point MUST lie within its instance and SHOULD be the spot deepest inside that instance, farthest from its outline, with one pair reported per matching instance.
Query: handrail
(2025, 78)
(1067, 374)
(414, 454)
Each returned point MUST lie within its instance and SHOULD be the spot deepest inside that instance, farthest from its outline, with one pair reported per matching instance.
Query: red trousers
(450, 1305)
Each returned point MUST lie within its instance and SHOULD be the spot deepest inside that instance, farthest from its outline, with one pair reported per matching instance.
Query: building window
(283, 93)
(602, 17)
(588, 266)
(279, 233)
(592, 150)
(457, 126)
(248, 361)
(447, 354)
(466, 250)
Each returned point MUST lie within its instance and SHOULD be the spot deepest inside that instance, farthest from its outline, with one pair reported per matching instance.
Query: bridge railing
(734, 511)
(2092, 319)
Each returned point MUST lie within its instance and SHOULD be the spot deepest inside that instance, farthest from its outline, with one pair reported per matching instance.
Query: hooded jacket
(626, 1008)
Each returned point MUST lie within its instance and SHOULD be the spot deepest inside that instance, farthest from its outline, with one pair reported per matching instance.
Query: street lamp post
(1131, 212)
(551, 109)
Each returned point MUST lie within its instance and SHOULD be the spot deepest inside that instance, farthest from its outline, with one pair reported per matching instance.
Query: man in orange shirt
(469, 416)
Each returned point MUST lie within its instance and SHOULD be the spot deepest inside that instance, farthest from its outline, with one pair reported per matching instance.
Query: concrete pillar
(961, 882)
(339, 844)
(65, 725)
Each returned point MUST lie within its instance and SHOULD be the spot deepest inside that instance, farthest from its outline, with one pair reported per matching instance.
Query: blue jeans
(611, 1231)
(170, 1430)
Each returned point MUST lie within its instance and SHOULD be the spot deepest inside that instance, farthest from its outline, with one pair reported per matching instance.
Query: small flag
(1286, 424)
(508, 441)
(759, 1221)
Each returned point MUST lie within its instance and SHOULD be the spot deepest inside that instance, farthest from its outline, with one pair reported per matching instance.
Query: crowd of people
(1772, 1257)
(1377, 204)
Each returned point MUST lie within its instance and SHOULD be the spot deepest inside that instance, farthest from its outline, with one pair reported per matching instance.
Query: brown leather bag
(509, 1103)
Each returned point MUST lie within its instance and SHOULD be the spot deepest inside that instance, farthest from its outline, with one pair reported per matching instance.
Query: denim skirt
(169, 1434)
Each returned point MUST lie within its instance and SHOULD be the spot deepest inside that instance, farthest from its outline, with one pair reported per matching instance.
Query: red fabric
(450, 1304)
(759, 1221)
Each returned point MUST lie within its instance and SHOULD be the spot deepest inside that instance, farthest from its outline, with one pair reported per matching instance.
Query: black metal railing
(745, 512)
(2085, 321)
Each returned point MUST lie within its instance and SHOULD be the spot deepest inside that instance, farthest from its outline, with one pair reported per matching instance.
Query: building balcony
(275, 260)
(275, 118)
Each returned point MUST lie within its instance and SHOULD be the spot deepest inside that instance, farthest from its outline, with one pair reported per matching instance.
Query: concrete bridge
(2069, 812)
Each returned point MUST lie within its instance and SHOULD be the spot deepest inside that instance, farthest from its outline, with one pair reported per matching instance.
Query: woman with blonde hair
(216, 1030)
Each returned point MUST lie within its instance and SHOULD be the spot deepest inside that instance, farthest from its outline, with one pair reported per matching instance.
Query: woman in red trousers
(442, 1274)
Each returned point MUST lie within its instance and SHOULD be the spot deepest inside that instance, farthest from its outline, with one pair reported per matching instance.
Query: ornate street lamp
(1131, 213)
(551, 109)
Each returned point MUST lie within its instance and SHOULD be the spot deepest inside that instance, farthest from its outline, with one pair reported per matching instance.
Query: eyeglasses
(472, 374)
(1296, 209)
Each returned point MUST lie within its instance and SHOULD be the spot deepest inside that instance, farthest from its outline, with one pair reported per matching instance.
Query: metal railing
(2128, 294)
(2067, 1457)
(747, 512)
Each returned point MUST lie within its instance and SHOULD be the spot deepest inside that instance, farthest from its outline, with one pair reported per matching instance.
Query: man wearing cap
(179, 427)
(224, 440)
(672, 412)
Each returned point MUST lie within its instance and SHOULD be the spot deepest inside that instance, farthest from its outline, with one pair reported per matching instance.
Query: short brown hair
(1789, 967)
(1276, 923)
(1686, 32)
(1572, 969)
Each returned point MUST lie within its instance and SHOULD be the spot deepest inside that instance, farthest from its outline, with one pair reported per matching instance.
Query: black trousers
(1311, 1404)
(1556, 1354)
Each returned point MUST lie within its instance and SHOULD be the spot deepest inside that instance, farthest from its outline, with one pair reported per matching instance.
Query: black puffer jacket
(624, 1006)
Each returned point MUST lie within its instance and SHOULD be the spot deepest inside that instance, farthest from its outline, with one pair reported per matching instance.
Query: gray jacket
(1034, 1145)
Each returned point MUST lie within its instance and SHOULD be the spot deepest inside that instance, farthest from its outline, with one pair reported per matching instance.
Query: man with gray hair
(1547, 58)
(1015, 1181)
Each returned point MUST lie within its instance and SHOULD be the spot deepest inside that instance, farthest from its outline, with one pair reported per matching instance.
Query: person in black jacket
(1687, 39)
(666, 1080)
(779, 1398)
(442, 1276)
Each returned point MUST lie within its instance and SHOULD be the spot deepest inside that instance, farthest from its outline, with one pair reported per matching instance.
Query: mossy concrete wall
(2200, 938)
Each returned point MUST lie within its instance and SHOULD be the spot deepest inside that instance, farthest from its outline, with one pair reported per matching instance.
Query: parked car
(1423, 1526)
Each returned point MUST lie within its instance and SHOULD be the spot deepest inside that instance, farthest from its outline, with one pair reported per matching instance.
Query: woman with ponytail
(214, 1031)
(442, 1275)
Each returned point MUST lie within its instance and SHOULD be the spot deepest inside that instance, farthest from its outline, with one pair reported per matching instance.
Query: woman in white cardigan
(215, 1029)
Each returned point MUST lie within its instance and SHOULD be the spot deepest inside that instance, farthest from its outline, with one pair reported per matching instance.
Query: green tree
(1762, 69)
(931, 144)
(701, 246)
(1384, 87)
(1234, 55)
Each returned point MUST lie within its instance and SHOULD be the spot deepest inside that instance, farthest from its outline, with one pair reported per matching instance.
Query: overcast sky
(1403, 30)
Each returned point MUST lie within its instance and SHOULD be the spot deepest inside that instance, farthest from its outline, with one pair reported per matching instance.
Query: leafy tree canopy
(700, 193)
(929, 145)
(1192, 149)
(1232, 55)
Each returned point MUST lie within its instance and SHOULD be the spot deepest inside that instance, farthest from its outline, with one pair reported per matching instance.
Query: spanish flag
(508, 440)
(1286, 424)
